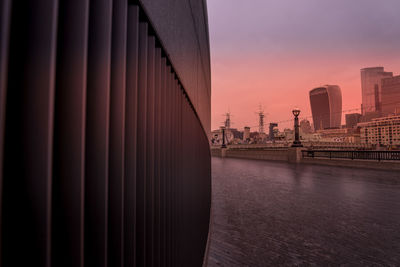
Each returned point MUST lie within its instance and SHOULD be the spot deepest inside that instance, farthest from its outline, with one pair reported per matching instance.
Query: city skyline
(261, 57)
(287, 123)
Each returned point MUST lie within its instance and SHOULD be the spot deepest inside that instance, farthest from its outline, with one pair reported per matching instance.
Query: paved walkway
(270, 214)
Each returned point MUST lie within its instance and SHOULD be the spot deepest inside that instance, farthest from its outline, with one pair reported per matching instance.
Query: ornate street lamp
(223, 138)
(296, 142)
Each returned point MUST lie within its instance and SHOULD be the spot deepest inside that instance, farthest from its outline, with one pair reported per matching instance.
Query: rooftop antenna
(227, 122)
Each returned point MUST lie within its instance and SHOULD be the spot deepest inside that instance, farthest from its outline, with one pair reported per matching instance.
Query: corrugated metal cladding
(104, 110)
(186, 21)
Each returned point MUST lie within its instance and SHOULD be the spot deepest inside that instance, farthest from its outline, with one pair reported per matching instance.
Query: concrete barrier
(261, 154)
(264, 154)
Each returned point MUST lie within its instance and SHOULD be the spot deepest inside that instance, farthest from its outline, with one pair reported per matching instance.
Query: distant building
(232, 135)
(326, 107)
(246, 134)
(383, 131)
(352, 120)
(289, 134)
(271, 135)
(371, 88)
(254, 135)
(340, 135)
(235, 133)
(216, 137)
(391, 95)
(305, 127)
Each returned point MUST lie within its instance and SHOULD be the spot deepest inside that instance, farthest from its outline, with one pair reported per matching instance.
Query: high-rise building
(371, 88)
(369, 116)
(391, 95)
(326, 107)
(352, 120)
(305, 126)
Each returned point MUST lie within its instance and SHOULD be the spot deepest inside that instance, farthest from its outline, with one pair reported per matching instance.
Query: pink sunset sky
(273, 52)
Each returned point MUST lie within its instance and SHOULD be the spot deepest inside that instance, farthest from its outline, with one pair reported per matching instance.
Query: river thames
(271, 213)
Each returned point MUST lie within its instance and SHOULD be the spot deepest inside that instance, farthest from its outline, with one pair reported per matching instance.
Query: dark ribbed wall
(104, 110)
(186, 21)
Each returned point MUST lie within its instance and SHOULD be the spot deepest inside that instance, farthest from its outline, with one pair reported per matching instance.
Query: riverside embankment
(295, 155)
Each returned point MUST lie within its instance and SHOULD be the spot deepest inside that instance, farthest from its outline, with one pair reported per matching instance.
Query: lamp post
(296, 142)
(223, 138)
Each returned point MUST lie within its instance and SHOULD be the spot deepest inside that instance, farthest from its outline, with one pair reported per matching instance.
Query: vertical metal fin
(150, 152)
(69, 134)
(131, 136)
(97, 133)
(28, 146)
(117, 134)
(5, 16)
(142, 147)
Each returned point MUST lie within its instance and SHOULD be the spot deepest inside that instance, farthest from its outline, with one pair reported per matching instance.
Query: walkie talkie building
(326, 107)
(104, 115)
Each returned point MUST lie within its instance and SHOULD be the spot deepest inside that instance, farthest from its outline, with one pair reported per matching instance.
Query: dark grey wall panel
(164, 156)
(131, 135)
(117, 134)
(172, 168)
(167, 148)
(150, 152)
(142, 147)
(157, 156)
(186, 21)
(186, 163)
(178, 188)
(69, 134)
(169, 169)
(29, 134)
(97, 133)
(176, 166)
(193, 189)
(5, 12)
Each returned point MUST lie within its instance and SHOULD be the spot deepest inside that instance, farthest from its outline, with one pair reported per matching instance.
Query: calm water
(269, 214)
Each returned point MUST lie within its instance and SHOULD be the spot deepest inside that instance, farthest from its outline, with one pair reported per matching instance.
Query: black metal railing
(352, 154)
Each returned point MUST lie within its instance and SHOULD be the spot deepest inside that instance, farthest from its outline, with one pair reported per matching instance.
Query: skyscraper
(390, 95)
(371, 88)
(326, 106)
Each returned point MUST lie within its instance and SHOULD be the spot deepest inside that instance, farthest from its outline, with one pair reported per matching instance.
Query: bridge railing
(352, 154)
(307, 144)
